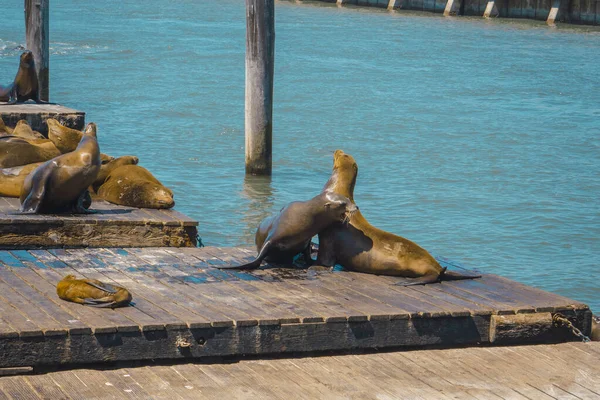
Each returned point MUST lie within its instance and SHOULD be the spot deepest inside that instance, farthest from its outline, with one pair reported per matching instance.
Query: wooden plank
(46, 387)
(152, 380)
(17, 388)
(125, 384)
(92, 384)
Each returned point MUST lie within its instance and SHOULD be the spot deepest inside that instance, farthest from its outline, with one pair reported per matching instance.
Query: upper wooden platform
(37, 114)
(184, 307)
(108, 225)
(541, 372)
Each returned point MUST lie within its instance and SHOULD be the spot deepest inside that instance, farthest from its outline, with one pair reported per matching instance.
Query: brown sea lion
(25, 86)
(23, 130)
(15, 151)
(61, 184)
(279, 238)
(65, 139)
(11, 179)
(135, 186)
(595, 335)
(5, 130)
(359, 246)
(110, 166)
(92, 292)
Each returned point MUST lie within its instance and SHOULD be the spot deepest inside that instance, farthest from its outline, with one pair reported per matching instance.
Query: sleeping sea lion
(108, 167)
(279, 238)
(65, 139)
(92, 292)
(23, 130)
(359, 246)
(61, 184)
(11, 179)
(15, 151)
(135, 186)
(25, 86)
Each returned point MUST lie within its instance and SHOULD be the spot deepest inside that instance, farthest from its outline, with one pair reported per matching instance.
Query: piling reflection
(259, 192)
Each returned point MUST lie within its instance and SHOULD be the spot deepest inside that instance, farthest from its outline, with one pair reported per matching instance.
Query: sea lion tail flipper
(455, 276)
(254, 264)
(33, 201)
(103, 286)
(423, 280)
(104, 302)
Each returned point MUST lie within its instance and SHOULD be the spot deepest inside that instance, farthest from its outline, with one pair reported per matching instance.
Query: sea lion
(65, 139)
(92, 292)
(25, 86)
(5, 130)
(23, 129)
(595, 335)
(15, 151)
(110, 165)
(135, 186)
(359, 246)
(11, 179)
(280, 237)
(61, 184)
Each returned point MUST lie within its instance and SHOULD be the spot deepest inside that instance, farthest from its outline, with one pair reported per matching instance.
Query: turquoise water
(479, 140)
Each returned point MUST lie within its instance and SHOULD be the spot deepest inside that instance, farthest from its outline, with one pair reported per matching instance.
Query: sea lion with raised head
(108, 167)
(16, 151)
(25, 86)
(64, 138)
(23, 130)
(92, 292)
(281, 237)
(359, 246)
(135, 186)
(61, 184)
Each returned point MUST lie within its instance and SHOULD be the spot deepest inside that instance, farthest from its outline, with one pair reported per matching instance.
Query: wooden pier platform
(109, 225)
(186, 308)
(540, 372)
(37, 114)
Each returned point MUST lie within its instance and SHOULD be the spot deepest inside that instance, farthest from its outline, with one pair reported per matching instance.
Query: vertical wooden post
(340, 2)
(391, 5)
(452, 8)
(491, 10)
(553, 14)
(260, 57)
(37, 34)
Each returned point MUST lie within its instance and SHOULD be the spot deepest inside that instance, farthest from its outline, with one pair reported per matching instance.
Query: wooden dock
(540, 372)
(186, 308)
(109, 225)
(37, 114)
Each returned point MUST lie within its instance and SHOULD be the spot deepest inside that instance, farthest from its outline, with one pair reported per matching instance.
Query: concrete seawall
(586, 12)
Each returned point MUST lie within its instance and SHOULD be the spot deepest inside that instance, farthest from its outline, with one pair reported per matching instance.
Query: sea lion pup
(92, 292)
(279, 238)
(23, 130)
(16, 151)
(65, 139)
(11, 179)
(135, 186)
(25, 86)
(110, 165)
(359, 246)
(61, 184)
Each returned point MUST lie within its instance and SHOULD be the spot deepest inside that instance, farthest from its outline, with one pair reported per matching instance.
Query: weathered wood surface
(37, 34)
(184, 308)
(260, 58)
(109, 225)
(37, 114)
(541, 372)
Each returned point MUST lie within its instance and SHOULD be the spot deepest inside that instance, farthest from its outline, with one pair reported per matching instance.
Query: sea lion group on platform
(116, 180)
(350, 241)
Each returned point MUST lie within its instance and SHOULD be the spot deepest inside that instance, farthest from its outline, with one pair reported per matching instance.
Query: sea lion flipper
(103, 286)
(104, 302)
(35, 197)
(252, 264)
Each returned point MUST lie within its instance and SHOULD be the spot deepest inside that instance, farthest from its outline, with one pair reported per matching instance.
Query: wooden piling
(452, 8)
(553, 14)
(260, 57)
(491, 11)
(37, 28)
(391, 5)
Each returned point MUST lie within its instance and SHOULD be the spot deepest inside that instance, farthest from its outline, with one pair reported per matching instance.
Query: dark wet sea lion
(11, 179)
(110, 166)
(92, 292)
(61, 184)
(15, 151)
(25, 86)
(22, 129)
(135, 186)
(279, 238)
(65, 139)
(359, 246)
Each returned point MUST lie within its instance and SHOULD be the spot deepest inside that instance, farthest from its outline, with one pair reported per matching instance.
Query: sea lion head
(90, 129)
(109, 164)
(341, 206)
(343, 176)
(105, 158)
(65, 139)
(69, 277)
(27, 59)
(158, 196)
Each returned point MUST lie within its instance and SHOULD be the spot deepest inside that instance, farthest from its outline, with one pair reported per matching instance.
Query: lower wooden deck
(184, 308)
(107, 225)
(541, 372)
